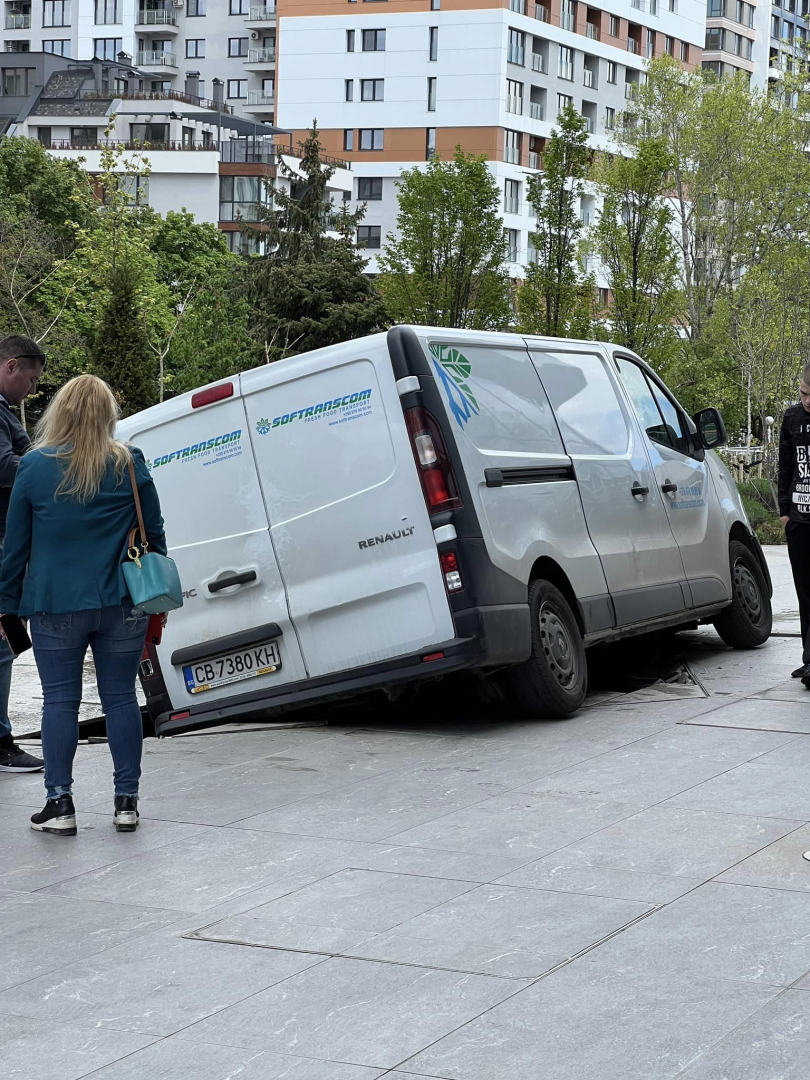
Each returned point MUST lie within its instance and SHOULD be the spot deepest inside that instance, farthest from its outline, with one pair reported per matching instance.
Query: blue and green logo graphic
(453, 368)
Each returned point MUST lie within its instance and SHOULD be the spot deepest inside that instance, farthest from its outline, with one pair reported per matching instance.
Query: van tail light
(432, 460)
(211, 394)
(452, 571)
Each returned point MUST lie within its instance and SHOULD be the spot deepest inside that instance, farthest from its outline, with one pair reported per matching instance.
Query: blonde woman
(70, 514)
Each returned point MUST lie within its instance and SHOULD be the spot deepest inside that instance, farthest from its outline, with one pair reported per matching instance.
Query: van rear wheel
(554, 680)
(748, 619)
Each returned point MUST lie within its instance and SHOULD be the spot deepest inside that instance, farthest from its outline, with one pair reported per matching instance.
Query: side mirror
(711, 429)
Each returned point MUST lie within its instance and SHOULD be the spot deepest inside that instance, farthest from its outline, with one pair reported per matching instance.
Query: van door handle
(231, 580)
(637, 489)
(669, 488)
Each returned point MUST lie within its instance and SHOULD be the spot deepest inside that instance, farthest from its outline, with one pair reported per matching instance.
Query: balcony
(592, 31)
(156, 19)
(589, 124)
(535, 160)
(629, 89)
(261, 97)
(514, 104)
(567, 21)
(264, 14)
(633, 46)
(518, 6)
(541, 13)
(100, 94)
(161, 60)
(536, 111)
(260, 58)
(589, 78)
(538, 63)
(18, 22)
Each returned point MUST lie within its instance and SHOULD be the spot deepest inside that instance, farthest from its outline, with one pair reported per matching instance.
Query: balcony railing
(261, 97)
(261, 56)
(565, 70)
(511, 205)
(639, 5)
(18, 22)
(535, 160)
(514, 104)
(589, 124)
(263, 13)
(592, 31)
(93, 94)
(538, 63)
(157, 59)
(516, 54)
(155, 17)
(537, 111)
(512, 254)
(567, 21)
(149, 147)
(541, 13)
(629, 89)
(518, 5)
(589, 78)
(632, 45)
(511, 154)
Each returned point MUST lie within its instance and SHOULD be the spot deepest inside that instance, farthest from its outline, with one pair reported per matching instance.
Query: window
(517, 47)
(511, 147)
(83, 136)
(195, 48)
(240, 7)
(512, 242)
(18, 46)
(350, 41)
(240, 197)
(348, 139)
(774, 26)
(368, 236)
(373, 41)
(435, 5)
(349, 89)
(44, 136)
(431, 94)
(107, 48)
(135, 190)
(669, 45)
(108, 11)
(57, 46)
(430, 144)
(563, 101)
(371, 138)
(714, 38)
(684, 53)
(585, 403)
(568, 15)
(56, 13)
(237, 88)
(433, 43)
(787, 30)
(195, 9)
(372, 89)
(651, 44)
(369, 188)
(149, 133)
(656, 413)
(240, 244)
(511, 197)
(565, 63)
(716, 9)
(237, 46)
(673, 5)
(514, 96)
(614, 26)
(610, 119)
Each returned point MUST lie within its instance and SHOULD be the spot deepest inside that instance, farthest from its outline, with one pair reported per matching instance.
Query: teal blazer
(61, 555)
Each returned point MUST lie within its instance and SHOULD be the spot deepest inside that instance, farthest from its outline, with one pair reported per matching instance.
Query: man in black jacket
(794, 507)
(21, 364)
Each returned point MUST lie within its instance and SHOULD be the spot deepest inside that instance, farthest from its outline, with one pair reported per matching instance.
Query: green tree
(54, 191)
(120, 352)
(634, 242)
(188, 251)
(555, 289)
(445, 266)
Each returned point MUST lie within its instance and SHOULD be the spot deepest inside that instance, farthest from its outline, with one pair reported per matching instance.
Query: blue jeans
(116, 638)
(6, 660)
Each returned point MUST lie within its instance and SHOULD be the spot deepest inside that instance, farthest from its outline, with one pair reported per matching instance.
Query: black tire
(553, 682)
(746, 622)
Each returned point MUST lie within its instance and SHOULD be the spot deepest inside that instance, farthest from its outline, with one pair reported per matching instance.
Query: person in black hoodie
(794, 507)
(21, 364)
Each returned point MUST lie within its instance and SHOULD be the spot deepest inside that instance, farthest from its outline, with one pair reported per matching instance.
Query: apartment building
(787, 36)
(228, 45)
(397, 81)
(737, 38)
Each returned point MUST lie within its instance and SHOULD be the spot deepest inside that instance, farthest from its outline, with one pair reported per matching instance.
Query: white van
(430, 500)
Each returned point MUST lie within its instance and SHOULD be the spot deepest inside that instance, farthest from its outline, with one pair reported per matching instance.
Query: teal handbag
(152, 580)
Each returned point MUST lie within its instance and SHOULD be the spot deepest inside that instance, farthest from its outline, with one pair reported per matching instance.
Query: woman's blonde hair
(77, 428)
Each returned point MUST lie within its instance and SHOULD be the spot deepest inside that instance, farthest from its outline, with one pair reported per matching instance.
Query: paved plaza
(618, 896)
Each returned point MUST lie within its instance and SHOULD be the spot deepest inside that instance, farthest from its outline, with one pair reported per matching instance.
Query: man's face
(804, 394)
(20, 380)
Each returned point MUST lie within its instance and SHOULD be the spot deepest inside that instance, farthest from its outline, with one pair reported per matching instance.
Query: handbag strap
(141, 527)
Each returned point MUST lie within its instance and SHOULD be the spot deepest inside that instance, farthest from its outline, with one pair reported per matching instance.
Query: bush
(759, 500)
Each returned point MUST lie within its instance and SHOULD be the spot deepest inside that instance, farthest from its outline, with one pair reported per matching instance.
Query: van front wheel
(554, 680)
(746, 622)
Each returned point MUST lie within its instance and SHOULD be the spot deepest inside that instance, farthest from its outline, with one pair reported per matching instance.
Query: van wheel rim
(747, 591)
(555, 638)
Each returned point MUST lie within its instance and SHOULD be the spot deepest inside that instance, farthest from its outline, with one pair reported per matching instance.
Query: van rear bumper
(460, 653)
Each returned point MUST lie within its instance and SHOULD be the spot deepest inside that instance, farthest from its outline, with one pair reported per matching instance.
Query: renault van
(428, 500)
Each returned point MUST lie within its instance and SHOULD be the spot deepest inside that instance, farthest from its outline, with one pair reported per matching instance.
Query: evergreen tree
(121, 353)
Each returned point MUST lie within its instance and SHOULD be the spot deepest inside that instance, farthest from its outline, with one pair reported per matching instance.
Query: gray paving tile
(761, 790)
(155, 986)
(644, 776)
(589, 1021)
(236, 747)
(758, 714)
(773, 1044)
(572, 871)
(172, 1059)
(42, 1050)
(778, 866)
(518, 826)
(39, 933)
(502, 930)
(379, 807)
(434, 862)
(672, 841)
(284, 933)
(794, 753)
(354, 1011)
(208, 869)
(34, 860)
(718, 744)
(734, 932)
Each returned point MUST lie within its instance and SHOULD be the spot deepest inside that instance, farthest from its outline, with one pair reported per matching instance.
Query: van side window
(656, 413)
(584, 401)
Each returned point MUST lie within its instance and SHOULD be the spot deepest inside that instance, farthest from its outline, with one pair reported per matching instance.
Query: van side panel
(519, 475)
(349, 523)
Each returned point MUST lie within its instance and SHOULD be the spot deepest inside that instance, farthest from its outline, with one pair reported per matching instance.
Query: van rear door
(347, 515)
(219, 644)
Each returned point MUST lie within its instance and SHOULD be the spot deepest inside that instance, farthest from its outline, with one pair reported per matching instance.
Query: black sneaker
(797, 674)
(13, 759)
(59, 816)
(125, 817)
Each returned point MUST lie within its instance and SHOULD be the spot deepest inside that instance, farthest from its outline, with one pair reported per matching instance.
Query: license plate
(233, 667)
